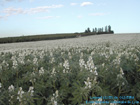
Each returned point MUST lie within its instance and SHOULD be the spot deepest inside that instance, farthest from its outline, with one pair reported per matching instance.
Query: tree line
(101, 30)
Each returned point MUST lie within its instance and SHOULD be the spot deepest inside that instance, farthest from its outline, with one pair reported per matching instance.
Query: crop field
(71, 71)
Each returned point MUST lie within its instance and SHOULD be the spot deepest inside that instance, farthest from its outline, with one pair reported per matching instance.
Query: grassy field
(71, 71)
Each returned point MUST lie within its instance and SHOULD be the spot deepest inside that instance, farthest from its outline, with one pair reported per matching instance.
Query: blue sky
(31, 17)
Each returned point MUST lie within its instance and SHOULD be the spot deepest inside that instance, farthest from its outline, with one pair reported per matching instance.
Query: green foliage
(44, 77)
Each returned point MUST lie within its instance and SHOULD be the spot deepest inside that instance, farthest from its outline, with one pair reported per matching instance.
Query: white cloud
(73, 4)
(97, 14)
(42, 9)
(13, 11)
(36, 10)
(86, 3)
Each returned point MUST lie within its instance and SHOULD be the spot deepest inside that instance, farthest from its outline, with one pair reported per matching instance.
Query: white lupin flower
(15, 64)
(92, 53)
(81, 62)
(103, 64)
(41, 71)
(55, 102)
(87, 83)
(54, 98)
(90, 64)
(66, 64)
(11, 88)
(35, 60)
(121, 71)
(31, 90)
(20, 94)
(52, 60)
(53, 71)
(95, 72)
(56, 93)
(0, 85)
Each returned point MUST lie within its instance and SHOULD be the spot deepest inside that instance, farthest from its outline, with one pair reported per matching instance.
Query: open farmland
(70, 71)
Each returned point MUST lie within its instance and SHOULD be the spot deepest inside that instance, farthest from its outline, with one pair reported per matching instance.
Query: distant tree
(88, 29)
(95, 30)
(99, 30)
(102, 30)
(106, 29)
(109, 28)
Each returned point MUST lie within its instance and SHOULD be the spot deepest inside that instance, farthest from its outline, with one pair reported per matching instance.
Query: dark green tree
(88, 29)
(95, 30)
(102, 29)
(109, 28)
(106, 29)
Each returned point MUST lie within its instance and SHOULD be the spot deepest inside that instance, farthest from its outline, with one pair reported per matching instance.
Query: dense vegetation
(71, 75)
(53, 36)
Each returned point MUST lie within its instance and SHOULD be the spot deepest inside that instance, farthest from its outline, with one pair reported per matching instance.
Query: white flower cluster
(4, 63)
(53, 71)
(52, 60)
(117, 60)
(35, 61)
(41, 71)
(11, 88)
(87, 83)
(21, 57)
(82, 63)
(121, 71)
(66, 66)
(120, 76)
(15, 63)
(20, 94)
(33, 77)
(91, 66)
(31, 90)
(54, 98)
(0, 85)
